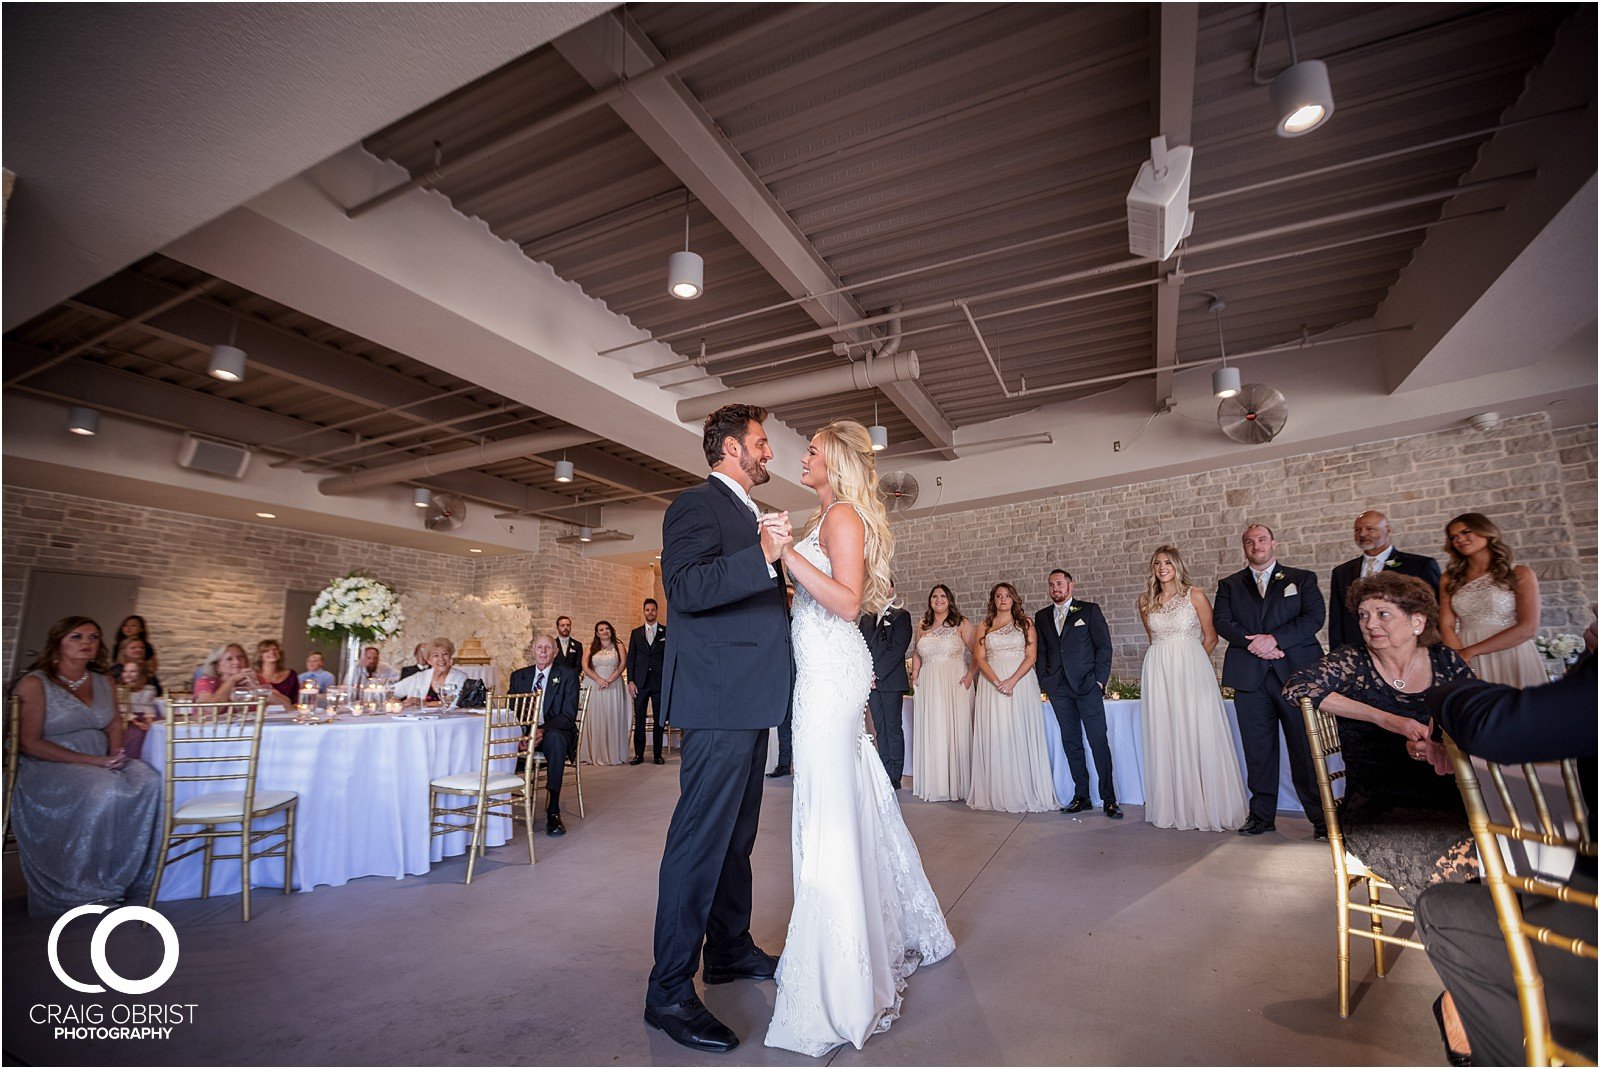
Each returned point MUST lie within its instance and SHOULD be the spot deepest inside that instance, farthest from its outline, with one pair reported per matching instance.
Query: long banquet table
(363, 810)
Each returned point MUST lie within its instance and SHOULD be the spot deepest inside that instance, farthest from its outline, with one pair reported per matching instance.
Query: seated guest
(315, 673)
(86, 816)
(134, 628)
(557, 734)
(139, 712)
(135, 651)
(422, 689)
(1401, 820)
(228, 671)
(372, 670)
(419, 661)
(271, 670)
(1457, 924)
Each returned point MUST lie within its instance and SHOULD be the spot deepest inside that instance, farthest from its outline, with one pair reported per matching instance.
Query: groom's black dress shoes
(1257, 826)
(779, 772)
(637, 760)
(690, 1024)
(1077, 805)
(1112, 809)
(756, 965)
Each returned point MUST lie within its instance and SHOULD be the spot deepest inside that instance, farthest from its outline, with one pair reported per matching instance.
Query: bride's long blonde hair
(853, 477)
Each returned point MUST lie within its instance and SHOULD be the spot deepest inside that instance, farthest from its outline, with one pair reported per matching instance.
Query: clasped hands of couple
(776, 535)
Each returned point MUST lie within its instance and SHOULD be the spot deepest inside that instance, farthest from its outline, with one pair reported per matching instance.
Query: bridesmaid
(941, 674)
(1010, 761)
(1493, 601)
(604, 740)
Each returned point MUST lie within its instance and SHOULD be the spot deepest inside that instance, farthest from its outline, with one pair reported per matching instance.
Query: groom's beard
(754, 470)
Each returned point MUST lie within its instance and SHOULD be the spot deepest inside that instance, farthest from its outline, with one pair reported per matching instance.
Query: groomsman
(1074, 667)
(557, 733)
(569, 651)
(1378, 554)
(888, 636)
(647, 648)
(1270, 614)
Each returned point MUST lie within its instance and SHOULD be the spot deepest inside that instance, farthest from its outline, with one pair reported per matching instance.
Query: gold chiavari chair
(573, 760)
(508, 724)
(13, 756)
(1349, 873)
(220, 743)
(1543, 829)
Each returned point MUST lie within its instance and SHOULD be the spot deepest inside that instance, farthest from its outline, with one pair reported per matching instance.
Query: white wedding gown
(864, 916)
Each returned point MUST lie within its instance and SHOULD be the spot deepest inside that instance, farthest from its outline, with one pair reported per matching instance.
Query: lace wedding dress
(864, 916)
(1191, 776)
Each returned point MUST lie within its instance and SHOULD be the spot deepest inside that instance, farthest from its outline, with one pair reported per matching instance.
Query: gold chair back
(13, 757)
(1541, 827)
(1322, 731)
(575, 758)
(508, 722)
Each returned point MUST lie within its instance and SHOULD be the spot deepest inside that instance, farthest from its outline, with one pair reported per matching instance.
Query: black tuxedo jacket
(569, 653)
(1293, 619)
(888, 642)
(559, 707)
(645, 659)
(1079, 659)
(729, 664)
(1343, 630)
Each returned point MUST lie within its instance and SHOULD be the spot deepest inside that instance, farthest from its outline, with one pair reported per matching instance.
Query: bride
(864, 916)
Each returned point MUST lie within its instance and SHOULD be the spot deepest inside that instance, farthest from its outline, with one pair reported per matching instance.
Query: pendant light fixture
(84, 421)
(564, 470)
(877, 432)
(1302, 97)
(227, 361)
(586, 534)
(686, 271)
(422, 497)
(1225, 380)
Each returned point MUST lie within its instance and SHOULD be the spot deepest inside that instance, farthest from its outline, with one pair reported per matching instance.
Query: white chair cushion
(468, 781)
(226, 806)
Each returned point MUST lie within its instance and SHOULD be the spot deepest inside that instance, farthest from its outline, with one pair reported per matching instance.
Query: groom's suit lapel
(752, 533)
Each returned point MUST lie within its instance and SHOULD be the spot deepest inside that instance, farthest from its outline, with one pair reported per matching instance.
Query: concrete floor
(1079, 941)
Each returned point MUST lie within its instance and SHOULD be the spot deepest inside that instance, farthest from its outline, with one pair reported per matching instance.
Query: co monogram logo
(97, 950)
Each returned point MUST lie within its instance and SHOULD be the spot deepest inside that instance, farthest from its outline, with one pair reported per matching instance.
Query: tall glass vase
(352, 658)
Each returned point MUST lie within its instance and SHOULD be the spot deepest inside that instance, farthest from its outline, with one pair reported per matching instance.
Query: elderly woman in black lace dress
(1401, 819)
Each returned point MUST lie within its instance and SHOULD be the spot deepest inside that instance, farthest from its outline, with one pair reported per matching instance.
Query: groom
(726, 681)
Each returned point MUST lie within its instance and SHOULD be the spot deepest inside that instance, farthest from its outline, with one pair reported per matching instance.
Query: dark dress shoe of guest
(756, 965)
(779, 772)
(1113, 810)
(1454, 1057)
(637, 760)
(553, 825)
(896, 784)
(1319, 831)
(1257, 826)
(1077, 805)
(690, 1024)
(660, 760)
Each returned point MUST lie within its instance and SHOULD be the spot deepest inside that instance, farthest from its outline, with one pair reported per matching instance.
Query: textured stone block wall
(1538, 484)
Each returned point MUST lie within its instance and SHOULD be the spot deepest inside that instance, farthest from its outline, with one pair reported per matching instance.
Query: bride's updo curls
(853, 477)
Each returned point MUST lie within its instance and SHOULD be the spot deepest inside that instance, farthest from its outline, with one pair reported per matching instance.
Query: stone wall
(1537, 484)
(203, 580)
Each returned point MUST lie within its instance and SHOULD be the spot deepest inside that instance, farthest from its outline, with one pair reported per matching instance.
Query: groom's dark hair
(1061, 572)
(729, 421)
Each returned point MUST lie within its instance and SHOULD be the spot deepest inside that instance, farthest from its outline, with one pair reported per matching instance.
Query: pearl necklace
(73, 684)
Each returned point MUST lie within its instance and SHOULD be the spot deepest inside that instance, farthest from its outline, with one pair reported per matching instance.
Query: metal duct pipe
(863, 375)
(456, 460)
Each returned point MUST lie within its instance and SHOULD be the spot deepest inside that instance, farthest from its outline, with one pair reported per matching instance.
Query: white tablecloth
(363, 810)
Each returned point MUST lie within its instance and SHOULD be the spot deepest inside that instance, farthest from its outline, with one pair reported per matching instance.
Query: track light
(422, 497)
(686, 271)
(1302, 97)
(1224, 380)
(84, 421)
(564, 471)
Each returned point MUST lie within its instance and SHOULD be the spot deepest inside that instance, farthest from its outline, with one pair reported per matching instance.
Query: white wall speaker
(1158, 204)
(214, 457)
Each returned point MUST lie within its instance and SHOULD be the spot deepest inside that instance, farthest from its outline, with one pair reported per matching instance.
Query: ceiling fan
(445, 512)
(898, 489)
(1254, 415)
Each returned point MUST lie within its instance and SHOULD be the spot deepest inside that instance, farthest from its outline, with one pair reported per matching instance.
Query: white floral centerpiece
(1564, 647)
(355, 610)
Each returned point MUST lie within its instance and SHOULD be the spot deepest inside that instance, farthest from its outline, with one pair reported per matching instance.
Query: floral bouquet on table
(1564, 647)
(354, 610)
(1122, 689)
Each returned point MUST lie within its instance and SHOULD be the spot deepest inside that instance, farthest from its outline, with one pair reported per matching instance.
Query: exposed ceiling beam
(678, 129)
(1177, 38)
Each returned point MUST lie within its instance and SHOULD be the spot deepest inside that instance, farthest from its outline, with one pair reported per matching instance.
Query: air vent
(213, 457)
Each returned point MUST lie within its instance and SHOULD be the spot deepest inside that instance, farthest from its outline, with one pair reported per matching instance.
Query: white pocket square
(1078, 624)
(1290, 591)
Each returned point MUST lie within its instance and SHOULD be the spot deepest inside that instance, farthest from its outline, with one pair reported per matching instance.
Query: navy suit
(887, 642)
(645, 660)
(1073, 668)
(558, 712)
(726, 680)
(1343, 629)
(1292, 613)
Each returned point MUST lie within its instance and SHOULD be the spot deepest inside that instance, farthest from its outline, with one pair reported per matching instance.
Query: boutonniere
(554, 679)
(1073, 609)
(1391, 563)
(1277, 575)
